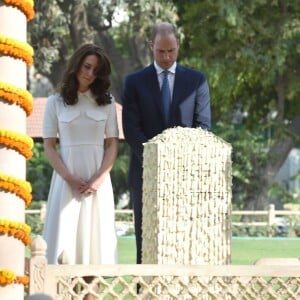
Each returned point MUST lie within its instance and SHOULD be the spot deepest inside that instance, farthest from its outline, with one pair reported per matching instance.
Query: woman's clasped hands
(85, 188)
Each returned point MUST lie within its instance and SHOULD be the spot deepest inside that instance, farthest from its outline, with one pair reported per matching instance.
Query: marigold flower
(22, 280)
(17, 141)
(21, 188)
(16, 95)
(6, 277)
(26, 6)
(17, 49)
(9, 277)
(18, 230)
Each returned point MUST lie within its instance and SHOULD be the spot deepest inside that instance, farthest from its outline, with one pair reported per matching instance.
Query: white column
(13, 25)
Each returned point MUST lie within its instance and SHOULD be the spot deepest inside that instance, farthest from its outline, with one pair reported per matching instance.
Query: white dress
(83, 227)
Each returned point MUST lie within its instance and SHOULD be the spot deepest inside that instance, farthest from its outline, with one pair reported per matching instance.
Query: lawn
(247, 251)
(126, 250)
(244, 251)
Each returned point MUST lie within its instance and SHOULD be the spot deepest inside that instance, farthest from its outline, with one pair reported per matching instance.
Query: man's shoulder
(190, 74)
(191, 71)
(141, 72)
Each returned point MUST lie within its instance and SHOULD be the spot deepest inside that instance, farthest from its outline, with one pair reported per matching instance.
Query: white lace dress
(83, 227)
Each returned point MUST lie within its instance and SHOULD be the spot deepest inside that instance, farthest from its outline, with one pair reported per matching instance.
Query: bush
(34, 220)
(251, 231)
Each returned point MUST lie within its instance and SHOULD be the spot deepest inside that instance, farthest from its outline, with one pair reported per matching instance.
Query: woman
(80, 212)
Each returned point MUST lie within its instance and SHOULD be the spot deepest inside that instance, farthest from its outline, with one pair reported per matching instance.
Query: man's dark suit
(143, 119)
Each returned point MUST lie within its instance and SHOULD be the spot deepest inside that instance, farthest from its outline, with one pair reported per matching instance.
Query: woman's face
(87, 72)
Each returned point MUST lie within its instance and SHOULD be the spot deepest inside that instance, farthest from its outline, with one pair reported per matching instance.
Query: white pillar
(187, 198)
(13, 26)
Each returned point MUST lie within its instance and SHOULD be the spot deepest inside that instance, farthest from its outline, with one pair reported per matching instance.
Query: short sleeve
(111, 128)
(50, 122)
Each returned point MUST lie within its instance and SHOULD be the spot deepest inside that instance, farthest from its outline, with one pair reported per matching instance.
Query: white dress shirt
(171, 76)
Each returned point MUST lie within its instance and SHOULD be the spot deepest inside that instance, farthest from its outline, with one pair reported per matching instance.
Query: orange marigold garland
(9, 277)
(19, 96)
(21, 188)
(18, 230)
(17, 49)
(17, 141)
(26, 6)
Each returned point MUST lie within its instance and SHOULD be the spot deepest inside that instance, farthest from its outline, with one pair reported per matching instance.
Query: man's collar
(160, 70)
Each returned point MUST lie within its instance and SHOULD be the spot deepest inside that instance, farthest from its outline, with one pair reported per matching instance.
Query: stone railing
(280, 280)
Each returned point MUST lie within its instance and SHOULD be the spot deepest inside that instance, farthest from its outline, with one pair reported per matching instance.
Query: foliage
(47, 33)
(293, 225)
(34, 220)
(251, 231)
(248, 151)
(39, 173)
(119, 173)
(280, 191)
(266, 231)
(35, 224)
(248, 52)
(124, 217)
(138, 20)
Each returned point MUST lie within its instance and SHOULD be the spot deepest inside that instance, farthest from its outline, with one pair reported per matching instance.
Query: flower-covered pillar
(187, 198)
(15, 146)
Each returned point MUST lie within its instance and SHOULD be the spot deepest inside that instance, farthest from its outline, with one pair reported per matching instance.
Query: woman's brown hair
(100, 87)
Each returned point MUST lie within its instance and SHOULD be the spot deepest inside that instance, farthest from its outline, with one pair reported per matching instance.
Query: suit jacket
(143, 112)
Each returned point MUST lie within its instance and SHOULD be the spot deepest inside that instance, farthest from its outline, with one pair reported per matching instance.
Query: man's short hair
(163, 28)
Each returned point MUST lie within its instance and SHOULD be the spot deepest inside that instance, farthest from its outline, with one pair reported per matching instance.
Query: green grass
(247, 251)
(243, 251)
(126, 250)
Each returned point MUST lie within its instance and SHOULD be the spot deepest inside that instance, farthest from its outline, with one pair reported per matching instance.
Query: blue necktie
(166, 97)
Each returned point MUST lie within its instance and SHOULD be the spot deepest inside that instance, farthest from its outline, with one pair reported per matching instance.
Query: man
(144, 111)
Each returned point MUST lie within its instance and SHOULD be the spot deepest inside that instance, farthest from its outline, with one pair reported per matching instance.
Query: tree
(251, 55)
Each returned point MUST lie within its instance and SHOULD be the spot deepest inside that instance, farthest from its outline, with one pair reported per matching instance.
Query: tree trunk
(277, 155)
(79, 28)
(58, 66)
(121, 66)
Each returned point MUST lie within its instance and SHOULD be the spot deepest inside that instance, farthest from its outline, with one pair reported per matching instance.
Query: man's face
(165, 50)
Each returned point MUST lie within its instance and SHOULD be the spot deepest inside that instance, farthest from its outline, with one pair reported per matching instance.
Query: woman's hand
(77, 184)
(109, 157)
(89, 189)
